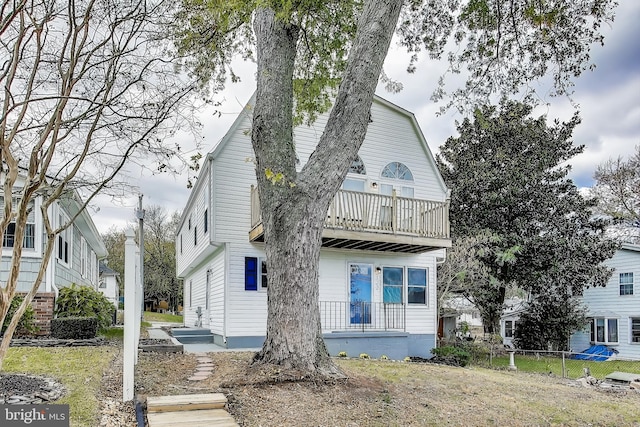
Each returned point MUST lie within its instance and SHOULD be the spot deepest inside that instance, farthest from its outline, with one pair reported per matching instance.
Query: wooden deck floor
(193, 410)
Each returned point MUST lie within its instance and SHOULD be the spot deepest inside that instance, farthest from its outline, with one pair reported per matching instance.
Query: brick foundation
(43, 304)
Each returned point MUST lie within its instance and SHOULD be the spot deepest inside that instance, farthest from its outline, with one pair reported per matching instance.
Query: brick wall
(43, 305)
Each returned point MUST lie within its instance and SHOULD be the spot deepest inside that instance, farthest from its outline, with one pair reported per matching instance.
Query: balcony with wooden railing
(370, 221)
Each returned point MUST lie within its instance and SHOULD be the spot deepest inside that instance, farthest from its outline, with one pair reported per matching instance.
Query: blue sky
(608, 99)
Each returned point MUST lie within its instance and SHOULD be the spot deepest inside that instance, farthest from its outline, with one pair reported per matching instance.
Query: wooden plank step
(199, 418)
(186, 402)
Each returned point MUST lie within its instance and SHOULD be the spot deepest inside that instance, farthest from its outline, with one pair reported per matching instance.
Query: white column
(130, 315)
(512, 364)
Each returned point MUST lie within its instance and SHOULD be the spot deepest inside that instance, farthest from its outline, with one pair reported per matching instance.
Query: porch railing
(362, 316)
(357, 211)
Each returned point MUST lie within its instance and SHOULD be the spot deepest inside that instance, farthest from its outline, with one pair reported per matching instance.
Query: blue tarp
(598, 353)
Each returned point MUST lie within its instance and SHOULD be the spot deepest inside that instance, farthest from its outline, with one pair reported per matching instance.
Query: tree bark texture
(294, 205)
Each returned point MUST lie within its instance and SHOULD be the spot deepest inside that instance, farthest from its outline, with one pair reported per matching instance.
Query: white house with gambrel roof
(384, 232)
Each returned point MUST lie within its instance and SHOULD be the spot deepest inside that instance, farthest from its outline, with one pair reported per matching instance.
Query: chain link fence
(564, 364)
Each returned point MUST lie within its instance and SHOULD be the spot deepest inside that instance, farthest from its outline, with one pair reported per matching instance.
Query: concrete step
(176, 332)
(195, 339)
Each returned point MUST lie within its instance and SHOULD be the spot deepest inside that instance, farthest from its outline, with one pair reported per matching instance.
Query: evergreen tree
(508, 175)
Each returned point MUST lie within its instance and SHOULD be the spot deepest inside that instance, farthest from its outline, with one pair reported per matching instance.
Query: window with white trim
(509, 328)
(357, 166)
(397, 170)
(634, 323)
(355, 183)
(83, 258)
(29, 238)
(398, 280)
(255, 274)
(604, 330)
(64, 241)
(392, 284)
(626, 283)
(263, 274)
(417, 285)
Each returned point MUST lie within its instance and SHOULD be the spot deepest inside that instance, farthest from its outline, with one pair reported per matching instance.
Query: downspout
(439, 261)
(225, 297)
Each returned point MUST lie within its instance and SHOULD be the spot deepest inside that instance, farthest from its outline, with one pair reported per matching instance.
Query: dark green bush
(83, 301)
(451, 355)
(76, 328)
(27, 323)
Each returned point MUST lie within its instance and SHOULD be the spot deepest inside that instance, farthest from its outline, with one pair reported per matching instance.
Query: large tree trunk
(294, 205)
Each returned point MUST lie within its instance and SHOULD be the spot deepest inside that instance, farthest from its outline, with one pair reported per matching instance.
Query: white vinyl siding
(195, 298)
(607, 303)
(216, 310)
(391, 137)
(192, 241)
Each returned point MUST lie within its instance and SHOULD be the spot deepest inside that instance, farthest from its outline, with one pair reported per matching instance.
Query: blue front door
(360, 276)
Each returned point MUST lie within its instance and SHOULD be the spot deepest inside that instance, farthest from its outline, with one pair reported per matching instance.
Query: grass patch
(116, 334)
(574, 368)
(150, 316)
(79, 369)
(429, 394)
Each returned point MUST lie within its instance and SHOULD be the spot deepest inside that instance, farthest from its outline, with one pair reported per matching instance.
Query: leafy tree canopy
(617, 188)
(502, 45)
(160, 281)
(508, 175)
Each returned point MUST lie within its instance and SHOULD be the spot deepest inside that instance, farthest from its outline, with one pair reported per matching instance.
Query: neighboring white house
(614, 310)
(513, 307)
(74, 259)
(108, 284)
(384, 231)
(460, 316)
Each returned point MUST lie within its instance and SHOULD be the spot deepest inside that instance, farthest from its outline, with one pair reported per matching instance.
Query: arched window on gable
(397, 170)
(357, 166)
(399, 178)
(355, 183)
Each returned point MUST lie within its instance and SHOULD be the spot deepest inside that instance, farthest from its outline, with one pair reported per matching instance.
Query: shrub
(83, 301)
(384, 357)
(27, 323)
(76, 328)
(364, 356)
(342, 354)
(451, 355)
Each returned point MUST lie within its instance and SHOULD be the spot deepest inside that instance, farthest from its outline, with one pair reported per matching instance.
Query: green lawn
(161, 317)
(574, 368)
(113, 333)
(79, 369)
